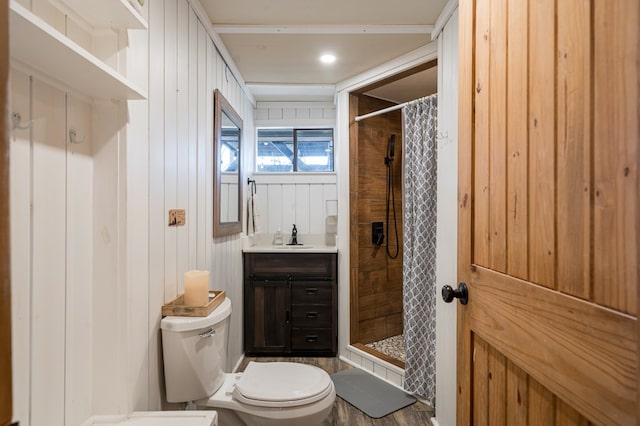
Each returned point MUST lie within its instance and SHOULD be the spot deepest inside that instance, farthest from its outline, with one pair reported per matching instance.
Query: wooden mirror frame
(222, 106)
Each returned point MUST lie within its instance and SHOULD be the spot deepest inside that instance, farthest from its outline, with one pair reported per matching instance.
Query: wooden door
(548, 212)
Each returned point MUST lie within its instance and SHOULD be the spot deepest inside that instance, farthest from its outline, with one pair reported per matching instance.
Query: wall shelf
(105, 13)
(39, 46)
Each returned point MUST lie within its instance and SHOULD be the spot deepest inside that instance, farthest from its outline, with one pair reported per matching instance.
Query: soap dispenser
(277, 238)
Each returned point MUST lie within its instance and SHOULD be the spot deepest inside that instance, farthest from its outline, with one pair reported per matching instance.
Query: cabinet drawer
(311, 338)
(315, 316)
(320, 266)
(311, 293)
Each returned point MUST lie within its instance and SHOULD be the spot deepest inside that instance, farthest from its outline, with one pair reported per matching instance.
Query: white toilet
(270, 393)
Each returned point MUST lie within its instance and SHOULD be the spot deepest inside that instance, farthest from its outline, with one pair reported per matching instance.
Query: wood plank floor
(344, 413)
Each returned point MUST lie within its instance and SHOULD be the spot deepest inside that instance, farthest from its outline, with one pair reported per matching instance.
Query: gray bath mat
(375, 397)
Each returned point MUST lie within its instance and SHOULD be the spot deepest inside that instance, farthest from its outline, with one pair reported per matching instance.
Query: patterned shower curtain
(419, 258)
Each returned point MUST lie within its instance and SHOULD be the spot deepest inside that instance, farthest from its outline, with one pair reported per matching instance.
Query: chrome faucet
(294, 236)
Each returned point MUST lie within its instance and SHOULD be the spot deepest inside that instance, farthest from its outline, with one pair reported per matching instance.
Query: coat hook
(73, 137)
(16, 118)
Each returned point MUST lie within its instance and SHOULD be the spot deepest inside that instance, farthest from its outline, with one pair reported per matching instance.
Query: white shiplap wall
(300, 198)
(181, 175)
(93, 259)
(40, 163)
(295, 114)
(62, 237)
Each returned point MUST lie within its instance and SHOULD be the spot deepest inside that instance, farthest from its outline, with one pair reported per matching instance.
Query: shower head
(392, 144)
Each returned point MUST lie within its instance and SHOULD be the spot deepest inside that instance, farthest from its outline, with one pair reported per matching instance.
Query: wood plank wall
(376, 279)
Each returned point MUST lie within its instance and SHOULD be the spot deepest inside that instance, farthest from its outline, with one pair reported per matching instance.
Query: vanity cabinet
(290, 304)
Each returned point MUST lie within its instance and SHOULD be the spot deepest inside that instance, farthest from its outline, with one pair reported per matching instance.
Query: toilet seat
(281, 413)
(281, 384)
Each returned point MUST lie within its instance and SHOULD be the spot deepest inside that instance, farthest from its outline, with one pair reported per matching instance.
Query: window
(294, 150)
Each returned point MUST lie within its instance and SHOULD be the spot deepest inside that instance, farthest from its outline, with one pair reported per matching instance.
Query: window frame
(295, 131)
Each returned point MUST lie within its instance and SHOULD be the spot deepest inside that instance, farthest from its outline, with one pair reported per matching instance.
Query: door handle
(462, 293)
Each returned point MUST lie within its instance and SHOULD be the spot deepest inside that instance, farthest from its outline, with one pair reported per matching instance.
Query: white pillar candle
(196, 288)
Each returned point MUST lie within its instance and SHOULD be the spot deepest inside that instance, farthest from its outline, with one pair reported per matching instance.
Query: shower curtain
(419, 258)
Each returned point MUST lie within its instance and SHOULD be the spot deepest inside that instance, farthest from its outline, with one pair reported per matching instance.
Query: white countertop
(291, 249)
(308, 243)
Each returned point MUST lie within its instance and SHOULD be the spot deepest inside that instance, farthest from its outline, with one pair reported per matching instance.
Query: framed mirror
(227, 193)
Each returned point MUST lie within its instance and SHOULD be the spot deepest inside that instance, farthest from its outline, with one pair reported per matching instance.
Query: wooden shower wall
(376, 279)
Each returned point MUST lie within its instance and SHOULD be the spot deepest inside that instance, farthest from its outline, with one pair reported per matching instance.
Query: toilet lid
(281, 384)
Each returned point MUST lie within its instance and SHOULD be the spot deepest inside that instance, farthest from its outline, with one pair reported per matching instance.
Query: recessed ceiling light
(327, 58)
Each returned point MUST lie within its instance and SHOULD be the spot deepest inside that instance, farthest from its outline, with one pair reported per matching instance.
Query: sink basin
(297, 247)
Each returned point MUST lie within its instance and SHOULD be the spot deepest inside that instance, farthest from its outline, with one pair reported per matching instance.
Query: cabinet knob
(311, 290)
(312, 315)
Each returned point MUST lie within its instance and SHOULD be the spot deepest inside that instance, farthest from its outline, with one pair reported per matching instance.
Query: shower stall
(375, 198)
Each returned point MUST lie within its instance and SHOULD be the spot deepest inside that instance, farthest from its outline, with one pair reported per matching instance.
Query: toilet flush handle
(209, 333)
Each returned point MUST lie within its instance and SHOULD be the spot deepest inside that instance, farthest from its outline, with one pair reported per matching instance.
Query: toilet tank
(195, 353)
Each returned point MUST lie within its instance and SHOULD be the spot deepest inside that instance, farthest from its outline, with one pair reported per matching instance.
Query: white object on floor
(279, 393)
(157, 418)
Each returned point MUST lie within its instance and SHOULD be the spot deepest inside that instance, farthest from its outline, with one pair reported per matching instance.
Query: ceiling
(276, 44)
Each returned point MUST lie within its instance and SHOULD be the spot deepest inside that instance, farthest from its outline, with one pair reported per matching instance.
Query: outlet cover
(177, 217)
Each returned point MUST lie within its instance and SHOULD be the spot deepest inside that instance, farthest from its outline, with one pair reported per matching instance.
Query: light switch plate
(177, 217)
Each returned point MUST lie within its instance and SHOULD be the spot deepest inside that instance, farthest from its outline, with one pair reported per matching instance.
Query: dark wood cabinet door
(267, 316)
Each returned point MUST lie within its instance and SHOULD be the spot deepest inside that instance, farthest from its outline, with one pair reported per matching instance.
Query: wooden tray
(177, 307)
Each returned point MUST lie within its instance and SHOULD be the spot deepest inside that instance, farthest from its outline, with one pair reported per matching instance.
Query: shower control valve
(377, 233)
